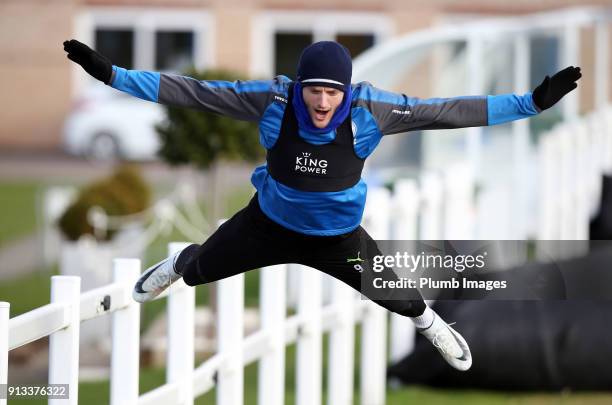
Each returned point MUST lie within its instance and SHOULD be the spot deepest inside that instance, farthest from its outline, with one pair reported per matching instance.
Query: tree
(203, 139)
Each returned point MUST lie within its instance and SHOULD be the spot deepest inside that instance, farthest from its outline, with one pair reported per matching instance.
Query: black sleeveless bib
(298, 164)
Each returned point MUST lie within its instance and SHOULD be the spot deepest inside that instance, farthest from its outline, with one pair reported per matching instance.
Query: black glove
(95, 64)
(552, 89)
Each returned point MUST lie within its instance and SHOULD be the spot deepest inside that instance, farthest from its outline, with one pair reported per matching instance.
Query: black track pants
(251, 240)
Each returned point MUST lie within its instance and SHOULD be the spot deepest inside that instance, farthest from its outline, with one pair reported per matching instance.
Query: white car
(106, 124)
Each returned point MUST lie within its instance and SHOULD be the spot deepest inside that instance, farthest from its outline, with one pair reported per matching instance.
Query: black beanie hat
(325, 63)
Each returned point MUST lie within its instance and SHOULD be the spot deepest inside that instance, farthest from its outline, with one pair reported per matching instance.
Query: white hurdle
(374, 325)
(573, 156)
(230, 335)
(458, 204)
(64, 343)
(309, 339)
(431, 211)
(125, 354)
(61, 319)
(181, 335)
(406, 204)
(273, 308)
(342, 346)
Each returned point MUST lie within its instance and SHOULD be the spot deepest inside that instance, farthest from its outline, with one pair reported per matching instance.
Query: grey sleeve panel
(451, 113)
(242, 100)
(396, 112)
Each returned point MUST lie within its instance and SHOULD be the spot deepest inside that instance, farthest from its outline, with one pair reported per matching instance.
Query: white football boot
(156, 279)
(451, 345)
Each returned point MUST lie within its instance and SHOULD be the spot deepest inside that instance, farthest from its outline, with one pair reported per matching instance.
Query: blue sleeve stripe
(269, 125)
(141, 84)
(509, 107)
(367, 94)
(368, 135)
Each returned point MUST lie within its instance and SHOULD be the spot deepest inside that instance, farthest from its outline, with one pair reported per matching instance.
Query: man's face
(322, 103)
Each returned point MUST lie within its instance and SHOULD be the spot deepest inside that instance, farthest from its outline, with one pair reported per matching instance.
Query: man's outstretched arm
(396, 113)
(243, 100)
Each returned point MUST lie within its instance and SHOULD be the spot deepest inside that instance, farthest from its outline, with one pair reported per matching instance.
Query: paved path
(21, 257)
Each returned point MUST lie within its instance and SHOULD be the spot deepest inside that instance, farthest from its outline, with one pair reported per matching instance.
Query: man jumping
(317, 131)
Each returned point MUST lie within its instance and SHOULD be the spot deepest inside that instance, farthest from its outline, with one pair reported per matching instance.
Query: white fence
(335, 310)
(573, 157)
(69, 307)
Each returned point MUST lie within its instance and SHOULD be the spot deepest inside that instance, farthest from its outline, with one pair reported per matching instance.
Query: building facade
(254, 38)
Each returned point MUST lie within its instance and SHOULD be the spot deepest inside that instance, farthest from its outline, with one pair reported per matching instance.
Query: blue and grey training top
(374, 113)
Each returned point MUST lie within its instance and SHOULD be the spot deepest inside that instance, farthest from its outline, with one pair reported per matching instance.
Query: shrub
(124, 192)
(202, 138)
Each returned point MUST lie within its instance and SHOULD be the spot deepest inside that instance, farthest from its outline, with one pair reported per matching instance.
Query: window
(288, 49)
(117, 45)
(289, 46)
(278, 37)
(173, 50)
(356, 43)
(168, 39)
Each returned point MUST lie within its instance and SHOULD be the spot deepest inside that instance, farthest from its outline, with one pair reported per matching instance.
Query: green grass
(27, 292)
(18, 207)
(431, 396)
(97, 393)
(93, 393)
